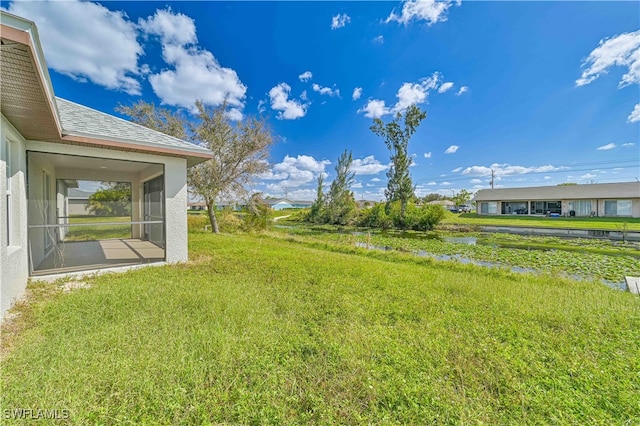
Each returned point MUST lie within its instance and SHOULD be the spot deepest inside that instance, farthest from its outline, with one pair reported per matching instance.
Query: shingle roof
(79, 120)
(565, 192)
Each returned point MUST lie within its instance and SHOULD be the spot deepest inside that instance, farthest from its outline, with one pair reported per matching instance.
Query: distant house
(604, 199)
(47, 144)
(77, 200)
(447, 204)
(196, 205)
(284, 203)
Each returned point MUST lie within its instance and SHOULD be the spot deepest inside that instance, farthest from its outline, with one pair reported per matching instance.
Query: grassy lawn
(261, 330)
(98, 232)
(601, 223)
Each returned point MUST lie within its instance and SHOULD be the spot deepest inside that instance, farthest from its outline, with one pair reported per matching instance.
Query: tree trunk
(211, 208)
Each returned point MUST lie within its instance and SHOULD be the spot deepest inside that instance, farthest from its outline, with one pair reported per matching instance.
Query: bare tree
(240, 152)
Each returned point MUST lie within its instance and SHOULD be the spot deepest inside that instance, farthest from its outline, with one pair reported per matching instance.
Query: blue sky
(540, 92)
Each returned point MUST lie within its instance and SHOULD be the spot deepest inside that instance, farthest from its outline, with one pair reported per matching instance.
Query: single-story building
(48, 143)
(285, 203)
(77, 201)
(603, 199)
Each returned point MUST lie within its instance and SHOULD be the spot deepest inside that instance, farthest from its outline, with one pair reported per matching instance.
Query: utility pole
(493, 175)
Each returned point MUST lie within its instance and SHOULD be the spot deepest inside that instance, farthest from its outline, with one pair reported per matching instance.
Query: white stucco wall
(14, 271)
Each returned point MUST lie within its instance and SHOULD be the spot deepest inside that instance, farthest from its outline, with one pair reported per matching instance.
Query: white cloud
(628, 144)
(375, 179)
(374, 109)
(431, 183)
(606, 147)
(294, 172)
(475, 181)
(622, 50)
(452, 149)
(548, 177)
(173, 28)
(457, 169)
(196, 73)
(588, 176)
(431, 11)
(445, 86)
(445, 184)
(339, 21)
(357, 92)
(368, 166)
(427, 154)
(463, 89)
(379, 39)
(356, 185)
(508, 170)
(290, 109)
(635, 114)
(87, 42)
(305, 76)
(408, 94)
(325, 90)
(301, 162)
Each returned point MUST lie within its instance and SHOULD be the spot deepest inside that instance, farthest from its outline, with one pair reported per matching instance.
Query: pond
(581, 259)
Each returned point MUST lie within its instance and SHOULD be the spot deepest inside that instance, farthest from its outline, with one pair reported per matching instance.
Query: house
(604, 199)
(77, 200)
(285, 203)
(47, 144)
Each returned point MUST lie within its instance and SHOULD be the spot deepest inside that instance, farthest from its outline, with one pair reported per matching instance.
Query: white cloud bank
(87, 42)
(289, 109)
(368, 166)
(445, 86)
(508, 170)
(294, 172)
(431, 11)
(196, 73)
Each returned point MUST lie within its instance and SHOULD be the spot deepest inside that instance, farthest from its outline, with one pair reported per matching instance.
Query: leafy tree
(240, 151)
(318, 206)
(341, 205)
(431, 197)
(462, 197)
(567, 184)
(257, 217)
(114, 200)
(399, 186)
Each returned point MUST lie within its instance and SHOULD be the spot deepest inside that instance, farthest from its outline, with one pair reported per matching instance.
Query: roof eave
(24, 31)
(193, 157)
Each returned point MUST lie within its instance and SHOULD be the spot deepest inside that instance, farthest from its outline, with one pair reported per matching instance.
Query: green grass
(259, 330)
(597, 223)
(98, 232)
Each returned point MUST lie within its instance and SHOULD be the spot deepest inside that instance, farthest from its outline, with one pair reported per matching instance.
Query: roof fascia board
(104, 143)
